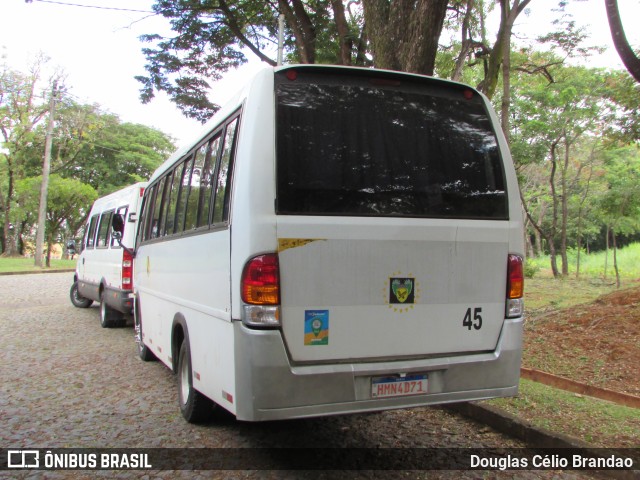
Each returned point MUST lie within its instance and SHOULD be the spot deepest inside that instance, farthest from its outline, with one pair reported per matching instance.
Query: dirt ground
(596, 343)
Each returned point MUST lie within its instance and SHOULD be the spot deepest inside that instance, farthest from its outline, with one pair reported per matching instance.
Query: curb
(533, 436)
(572, 386)
(38, 272)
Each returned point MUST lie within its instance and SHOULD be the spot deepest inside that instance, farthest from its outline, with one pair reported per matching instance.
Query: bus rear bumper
(272, 389)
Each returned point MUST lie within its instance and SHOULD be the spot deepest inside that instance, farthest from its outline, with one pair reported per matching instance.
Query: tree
(22, 108)
(67, 209)
(98, 149)
(620, 205)
(553, 120)
(212, 36)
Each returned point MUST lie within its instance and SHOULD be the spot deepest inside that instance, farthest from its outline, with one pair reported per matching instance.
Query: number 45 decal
(476, 321)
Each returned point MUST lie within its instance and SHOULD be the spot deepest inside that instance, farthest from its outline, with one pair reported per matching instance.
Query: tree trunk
(346, 43)
(465, 43)
(509, 14)
(404, 34)
(606, 254)
(564, 205)
(627, 55)
(615, 258)
(554, 215)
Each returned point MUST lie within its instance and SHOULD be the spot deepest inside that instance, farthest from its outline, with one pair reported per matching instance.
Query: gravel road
(68, 383)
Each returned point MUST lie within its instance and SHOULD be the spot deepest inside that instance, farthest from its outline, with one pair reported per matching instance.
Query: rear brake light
(260, 284)
(127, 270)
(515, 278)
(515, 286)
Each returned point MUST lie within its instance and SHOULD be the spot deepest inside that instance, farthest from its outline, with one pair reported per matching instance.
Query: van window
(104, 230)
(221, 206)
(91, 232)
(376, 148)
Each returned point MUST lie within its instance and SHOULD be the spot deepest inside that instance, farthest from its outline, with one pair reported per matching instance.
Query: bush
(530, 268)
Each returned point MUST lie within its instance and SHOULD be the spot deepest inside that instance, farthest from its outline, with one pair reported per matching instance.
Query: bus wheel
(109, 317)
(195, 407)
(77, 299)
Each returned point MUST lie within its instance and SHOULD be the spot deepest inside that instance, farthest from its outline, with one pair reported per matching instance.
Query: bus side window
(191, 214)
(91, 232)
(221, 206)
(174, 187)
(154, 232)
(147, 212)
(183, 194)
(206, 181)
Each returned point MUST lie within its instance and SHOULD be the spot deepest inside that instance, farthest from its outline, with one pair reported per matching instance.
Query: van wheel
(109, 317)
(77, 299)
(195, 407)
(144, 352)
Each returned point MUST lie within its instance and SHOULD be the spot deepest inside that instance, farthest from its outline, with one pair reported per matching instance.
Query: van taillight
(515, 286)
(127, 270)
(260, 291)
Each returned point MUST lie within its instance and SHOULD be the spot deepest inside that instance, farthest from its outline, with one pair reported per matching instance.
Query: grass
(597, 422)
(546, 293)
(593, 265)
(20, 264)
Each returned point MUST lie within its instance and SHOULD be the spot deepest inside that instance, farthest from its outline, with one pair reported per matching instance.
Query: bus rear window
(357, 147)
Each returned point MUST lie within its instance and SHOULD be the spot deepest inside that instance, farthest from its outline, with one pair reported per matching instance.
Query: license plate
(398, 386)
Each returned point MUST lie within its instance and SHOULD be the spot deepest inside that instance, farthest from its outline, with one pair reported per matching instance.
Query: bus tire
(78, 300)
(195, 407)
(109, 318)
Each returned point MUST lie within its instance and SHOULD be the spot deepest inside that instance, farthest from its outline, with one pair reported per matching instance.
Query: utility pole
(44, 188)
(280, 38)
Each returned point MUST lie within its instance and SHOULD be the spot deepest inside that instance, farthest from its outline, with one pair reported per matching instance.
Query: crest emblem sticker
(401, 290)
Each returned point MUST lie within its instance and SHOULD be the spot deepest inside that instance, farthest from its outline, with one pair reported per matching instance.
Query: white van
(336, 240)
(104, 270)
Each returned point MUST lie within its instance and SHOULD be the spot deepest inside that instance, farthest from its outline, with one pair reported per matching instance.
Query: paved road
(68, 383)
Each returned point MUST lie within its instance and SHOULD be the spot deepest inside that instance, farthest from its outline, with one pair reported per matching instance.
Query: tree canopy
(92, 151)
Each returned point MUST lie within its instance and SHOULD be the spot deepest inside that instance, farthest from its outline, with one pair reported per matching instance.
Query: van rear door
(392, 217)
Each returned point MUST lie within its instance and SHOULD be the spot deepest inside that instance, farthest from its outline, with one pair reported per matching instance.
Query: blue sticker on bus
(316, 327)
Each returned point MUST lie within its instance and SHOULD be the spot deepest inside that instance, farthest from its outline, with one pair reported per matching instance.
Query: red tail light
(260, 284)
(127, 270)
(515, 277)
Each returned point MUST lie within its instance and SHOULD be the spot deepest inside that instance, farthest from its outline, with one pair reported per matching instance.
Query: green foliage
(530, 268)
(68, 204)
(94, 153)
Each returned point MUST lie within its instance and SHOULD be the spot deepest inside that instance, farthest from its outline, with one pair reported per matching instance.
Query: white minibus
(336, 240)
(104, 269)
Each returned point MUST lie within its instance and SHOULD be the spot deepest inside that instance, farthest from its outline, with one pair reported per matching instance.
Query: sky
(100, 51)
